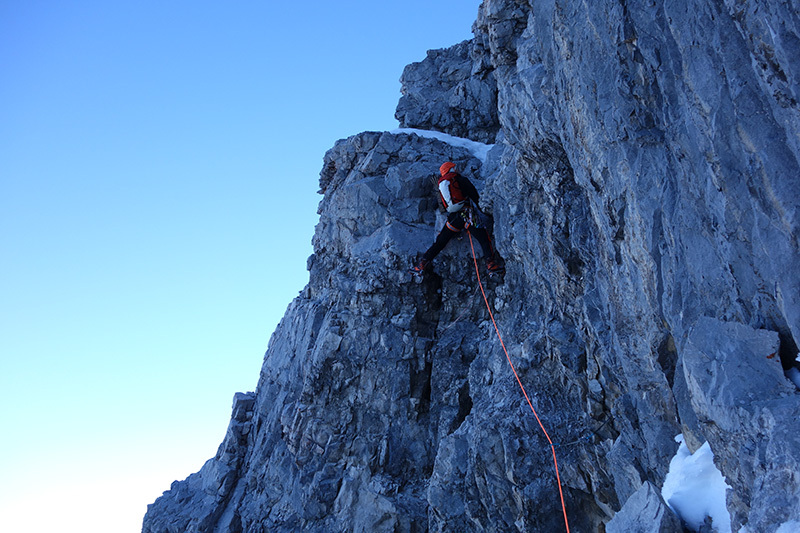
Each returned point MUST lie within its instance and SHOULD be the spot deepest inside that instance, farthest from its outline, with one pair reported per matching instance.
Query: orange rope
(514, 370)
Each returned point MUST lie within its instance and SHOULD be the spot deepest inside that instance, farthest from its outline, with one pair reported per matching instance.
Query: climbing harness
(508, 358)
(466, 214)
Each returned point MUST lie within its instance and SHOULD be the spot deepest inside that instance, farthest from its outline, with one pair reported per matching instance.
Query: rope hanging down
(514, 370)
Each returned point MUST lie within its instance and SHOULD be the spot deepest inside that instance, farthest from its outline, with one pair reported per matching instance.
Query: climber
(460, 198)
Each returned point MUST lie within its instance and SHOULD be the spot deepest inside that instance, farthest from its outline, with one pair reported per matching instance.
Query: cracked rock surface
(644, 182)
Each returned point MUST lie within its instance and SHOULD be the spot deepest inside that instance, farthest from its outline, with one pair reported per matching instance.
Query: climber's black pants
(455, 223)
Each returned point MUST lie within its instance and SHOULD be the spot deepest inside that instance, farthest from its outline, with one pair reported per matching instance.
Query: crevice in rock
(616, 215)
(668, 358)
(787, 350)
(420, 387)
(657, 237)
(464, 407)
(427, 314)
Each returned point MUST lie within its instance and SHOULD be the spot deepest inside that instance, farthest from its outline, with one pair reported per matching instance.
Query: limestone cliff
(643, 174)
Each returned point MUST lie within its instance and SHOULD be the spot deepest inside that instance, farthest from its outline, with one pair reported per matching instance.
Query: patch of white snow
(793, 526)
(695, 489)
(479, 150)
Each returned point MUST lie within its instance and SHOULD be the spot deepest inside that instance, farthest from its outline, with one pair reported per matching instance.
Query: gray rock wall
(679, 123)
(452, 91)
(644, 184)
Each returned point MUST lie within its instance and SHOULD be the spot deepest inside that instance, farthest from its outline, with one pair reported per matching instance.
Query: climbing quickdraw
(470, 217)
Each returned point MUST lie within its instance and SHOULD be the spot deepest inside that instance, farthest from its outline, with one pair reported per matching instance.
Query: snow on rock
(793, 526)
(695, 489)
(747, 410)
(478, 149)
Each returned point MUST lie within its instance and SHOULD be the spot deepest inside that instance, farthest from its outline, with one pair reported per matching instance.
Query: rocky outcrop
(452, 91)
(644, 512)
(367, 370)
(644, 183)
(198, 503)
(748, 411)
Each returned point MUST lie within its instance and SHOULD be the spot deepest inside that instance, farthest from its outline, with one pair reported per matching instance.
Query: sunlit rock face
(644, 184)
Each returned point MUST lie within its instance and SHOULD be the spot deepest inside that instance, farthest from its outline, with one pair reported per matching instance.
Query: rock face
(451, 92)
(644, 512)
(644, 182)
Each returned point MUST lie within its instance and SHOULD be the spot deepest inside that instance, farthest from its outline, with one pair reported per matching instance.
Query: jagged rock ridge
(644, 182)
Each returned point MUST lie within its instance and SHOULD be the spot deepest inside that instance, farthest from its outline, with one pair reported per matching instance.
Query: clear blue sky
(158, 176)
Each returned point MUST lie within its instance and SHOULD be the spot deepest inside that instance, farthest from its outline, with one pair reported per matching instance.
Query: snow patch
(695, 489)
(479, 150)
(792, 526)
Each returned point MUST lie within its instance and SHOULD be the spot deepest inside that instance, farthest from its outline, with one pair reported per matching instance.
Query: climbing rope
(508, 358)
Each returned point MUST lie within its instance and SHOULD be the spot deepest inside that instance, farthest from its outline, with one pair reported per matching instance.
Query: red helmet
(447, 167)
